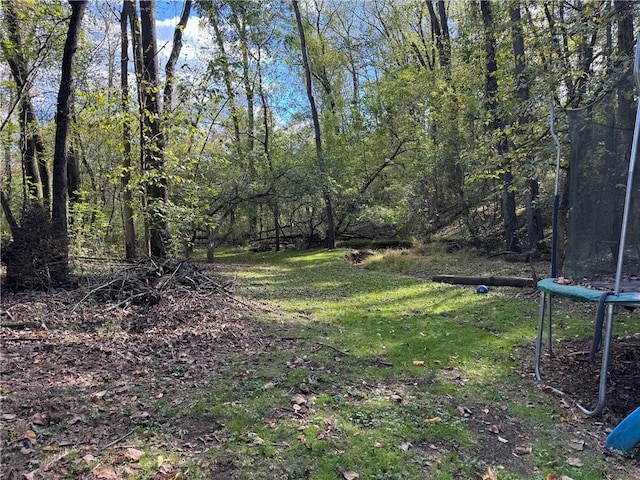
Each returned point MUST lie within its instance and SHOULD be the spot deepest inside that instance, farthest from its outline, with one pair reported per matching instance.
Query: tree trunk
(127, 197)
(226, 76)
(275, 205)
(440, 28)
(59, 268)
(331, 235)
(240, 23)
(153, 142)
(491, 91)
(490, 281)
(31, 145)
(535, 232)
(170, 67)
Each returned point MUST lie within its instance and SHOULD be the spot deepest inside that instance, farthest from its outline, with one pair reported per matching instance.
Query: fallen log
(489, 281)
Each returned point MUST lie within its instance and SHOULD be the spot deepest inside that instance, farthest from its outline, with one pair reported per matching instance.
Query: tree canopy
(433, 116)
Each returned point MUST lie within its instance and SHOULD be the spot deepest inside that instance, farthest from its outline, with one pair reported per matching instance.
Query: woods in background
(292, 123)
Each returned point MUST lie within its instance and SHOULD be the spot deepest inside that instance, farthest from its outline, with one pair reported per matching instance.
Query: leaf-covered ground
(83, 377)
(80, 376)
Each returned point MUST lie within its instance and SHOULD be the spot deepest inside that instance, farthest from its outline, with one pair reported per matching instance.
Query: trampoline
(602, 245)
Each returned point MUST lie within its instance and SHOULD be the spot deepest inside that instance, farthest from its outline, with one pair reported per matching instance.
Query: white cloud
(196, 39)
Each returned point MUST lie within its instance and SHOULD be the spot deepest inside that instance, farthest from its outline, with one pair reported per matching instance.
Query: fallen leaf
(433, 420)
(298, 399)
(523, 450)
(463, 411)
(31, 436)
(347, 474)
(577, 444)
(418, 362)
(490, 475)
(142, 414)
(378, 444)
(98, 396)
(574, 462)
(41, 419)
(384, 353)
(269, 385)
(133, 453)
(396, 398)
(88, 458)
(166, 468)
(105, 473)
(494, 428)
(77, 419)
(502, 439)
(552, 476)
(258, 441)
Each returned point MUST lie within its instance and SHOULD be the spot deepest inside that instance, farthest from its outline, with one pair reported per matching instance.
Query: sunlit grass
(381, 354)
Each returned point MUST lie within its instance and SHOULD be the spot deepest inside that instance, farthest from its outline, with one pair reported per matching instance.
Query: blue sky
(169, 9)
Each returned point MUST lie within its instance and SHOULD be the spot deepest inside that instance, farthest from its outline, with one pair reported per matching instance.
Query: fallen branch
(489, 281)
(332, 347)
(118, 440)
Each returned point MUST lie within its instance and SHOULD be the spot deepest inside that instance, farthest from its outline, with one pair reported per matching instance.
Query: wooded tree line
(297, 123)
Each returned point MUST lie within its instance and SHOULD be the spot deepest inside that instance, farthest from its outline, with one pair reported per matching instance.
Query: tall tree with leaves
(326, 194)
(153, 143)
(127, 196)
(32, 147)
(59, 212)
(535, 231)
(494, 128)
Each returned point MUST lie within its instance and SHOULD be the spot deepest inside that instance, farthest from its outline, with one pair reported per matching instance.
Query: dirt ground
(79, 374)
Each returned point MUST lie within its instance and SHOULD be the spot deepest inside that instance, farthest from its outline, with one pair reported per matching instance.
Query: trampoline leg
(604, 367)
(549, 347)
(543, 297)
(597, 332)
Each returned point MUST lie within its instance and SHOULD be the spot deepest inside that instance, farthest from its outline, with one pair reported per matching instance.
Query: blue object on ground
(627, 434)
(482, 289)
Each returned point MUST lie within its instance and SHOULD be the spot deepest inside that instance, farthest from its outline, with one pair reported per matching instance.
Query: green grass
(381, 353)
(369, 369)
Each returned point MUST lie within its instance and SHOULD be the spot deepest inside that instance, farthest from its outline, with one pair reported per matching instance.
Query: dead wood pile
(144, 283)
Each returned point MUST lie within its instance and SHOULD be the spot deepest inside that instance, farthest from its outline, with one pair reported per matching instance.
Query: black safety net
(601, 138)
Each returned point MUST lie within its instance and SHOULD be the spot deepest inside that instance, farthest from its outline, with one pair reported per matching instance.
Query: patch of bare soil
(572, 379)
(82, 369)
(571, 372)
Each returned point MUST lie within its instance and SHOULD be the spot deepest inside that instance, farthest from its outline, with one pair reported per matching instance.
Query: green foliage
(410, 143)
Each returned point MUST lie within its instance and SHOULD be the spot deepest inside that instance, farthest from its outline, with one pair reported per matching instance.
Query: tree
(152, 136)
(494, 126)
(326, 195)
(31, 144)
(127, 197)
(535, 231)
(38, 256)
(59, 213)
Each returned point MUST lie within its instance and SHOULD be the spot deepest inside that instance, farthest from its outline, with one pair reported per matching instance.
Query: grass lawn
(400, 377)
